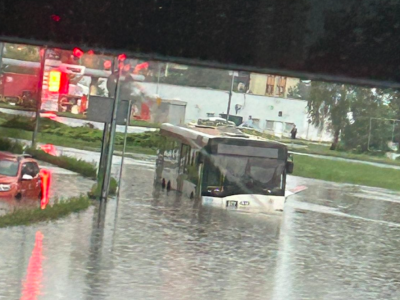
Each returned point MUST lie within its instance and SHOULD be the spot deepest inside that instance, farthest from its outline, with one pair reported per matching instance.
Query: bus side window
(175, 154)
(185, 159)
(193, 157)
(163, 147)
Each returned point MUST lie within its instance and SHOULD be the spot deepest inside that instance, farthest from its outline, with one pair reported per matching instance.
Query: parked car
(17, 88)
(250, 127)
(215, 121)
(19, 177)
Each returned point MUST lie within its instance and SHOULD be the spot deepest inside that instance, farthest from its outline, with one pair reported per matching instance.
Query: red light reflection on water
(48, 115)
(49, 149)
(32, 283)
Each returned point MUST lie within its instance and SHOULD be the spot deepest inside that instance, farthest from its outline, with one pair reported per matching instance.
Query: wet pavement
(333, 241)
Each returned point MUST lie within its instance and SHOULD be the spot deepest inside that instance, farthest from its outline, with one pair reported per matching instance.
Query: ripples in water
(326, 245)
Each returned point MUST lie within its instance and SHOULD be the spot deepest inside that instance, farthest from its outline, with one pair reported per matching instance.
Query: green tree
(200, 77)
(392, 99)
(300, 91)
(21, 52)
(328, 105)
(367, 103)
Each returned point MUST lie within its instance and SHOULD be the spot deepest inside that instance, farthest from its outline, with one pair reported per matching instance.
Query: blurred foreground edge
(332, 40)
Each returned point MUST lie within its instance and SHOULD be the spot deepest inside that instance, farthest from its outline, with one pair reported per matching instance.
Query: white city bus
(223, 167)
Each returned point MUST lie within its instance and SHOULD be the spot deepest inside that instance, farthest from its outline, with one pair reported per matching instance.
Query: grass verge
(10, 106)
(345, 172)
(85, 139)
(79, 166)
(139, 123)
(323, 149)
(29, 216)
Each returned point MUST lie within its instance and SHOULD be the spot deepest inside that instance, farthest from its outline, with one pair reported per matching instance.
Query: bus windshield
(231, 175)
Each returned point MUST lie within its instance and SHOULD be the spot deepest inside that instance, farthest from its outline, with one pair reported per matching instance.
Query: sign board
(72, 69)
(49, 100)
(101, 108)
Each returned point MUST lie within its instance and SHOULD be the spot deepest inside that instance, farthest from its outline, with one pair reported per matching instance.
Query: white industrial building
(272, 114)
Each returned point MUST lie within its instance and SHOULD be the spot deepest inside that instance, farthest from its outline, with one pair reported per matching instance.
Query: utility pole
(230, 96)
(158, 77)
(106, 176)
(1, 57)
(128, 118)
(394, 125)
(39, 98)
(369, 133)
(166, 70)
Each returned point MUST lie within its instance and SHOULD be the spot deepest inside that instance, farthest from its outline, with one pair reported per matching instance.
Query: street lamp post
(1, 56)
(39, 98)
(158, 77)
(128, 118)
(105, 184)
(230, 96)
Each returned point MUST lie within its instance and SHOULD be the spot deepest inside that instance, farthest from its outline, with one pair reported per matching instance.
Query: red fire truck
(19, 89)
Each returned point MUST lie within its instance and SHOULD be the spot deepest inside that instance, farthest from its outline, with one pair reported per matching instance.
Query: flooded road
(333, 241)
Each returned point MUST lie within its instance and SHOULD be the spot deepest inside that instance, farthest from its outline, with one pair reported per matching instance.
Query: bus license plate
(231, 204)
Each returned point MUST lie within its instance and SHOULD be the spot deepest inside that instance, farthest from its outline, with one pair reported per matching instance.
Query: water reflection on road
(333, 242)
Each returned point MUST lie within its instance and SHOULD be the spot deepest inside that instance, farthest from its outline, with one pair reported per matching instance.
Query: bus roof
(198, 136)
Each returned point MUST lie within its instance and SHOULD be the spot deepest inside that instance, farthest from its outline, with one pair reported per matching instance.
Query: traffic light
(78, 53)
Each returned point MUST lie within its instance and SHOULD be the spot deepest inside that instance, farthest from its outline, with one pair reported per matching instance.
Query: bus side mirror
(289, 167)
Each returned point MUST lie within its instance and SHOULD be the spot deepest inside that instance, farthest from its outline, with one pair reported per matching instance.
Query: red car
(19, 177)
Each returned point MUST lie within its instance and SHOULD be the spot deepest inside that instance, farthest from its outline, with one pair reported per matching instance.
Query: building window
(280, 86)
(256, 122)
(270, 85)
(280, 114)
(270, 125)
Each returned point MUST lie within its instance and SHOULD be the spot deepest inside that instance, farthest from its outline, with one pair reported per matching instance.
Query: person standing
(294, 132)
(250, 121)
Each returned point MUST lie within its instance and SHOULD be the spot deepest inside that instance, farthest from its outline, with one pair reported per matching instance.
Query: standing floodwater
(332, 242)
